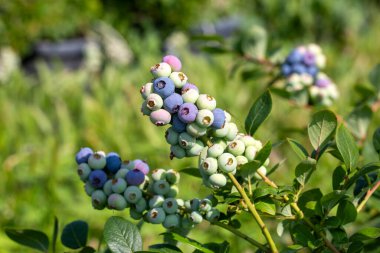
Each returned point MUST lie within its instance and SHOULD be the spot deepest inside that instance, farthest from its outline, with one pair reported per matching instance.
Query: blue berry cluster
(115, 184)
(170, 99)
(301, 70)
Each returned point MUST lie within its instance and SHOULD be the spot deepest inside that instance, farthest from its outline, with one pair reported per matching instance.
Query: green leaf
(338, 177)
(121, 235)
(331, 199)
(29, 238)
(374, 77)
(87, 249)
(223, 247)
(366, 234)
(192, 172)
(55, 233)
(292, 248)
(347, 147)
(258, 113)
(332, 222)
(355, 247)
(300, 151)
(266, 205)
(339, 236)
(376, 140)
(250, 168)
(263, 191)
(254, 41)
(217, 38)
(359, 120)
(302, 235)
(308, 201)
(215, 49)
(264, 153)
(368, 168)
(188, 241)
(321, 128)
(346, 212)
(164, 248)
(74, 234)
(304, 170)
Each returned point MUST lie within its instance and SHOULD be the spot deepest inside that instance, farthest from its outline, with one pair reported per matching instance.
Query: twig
(367, 196)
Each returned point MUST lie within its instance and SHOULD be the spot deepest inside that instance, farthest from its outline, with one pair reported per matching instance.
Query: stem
(367, 196)
(241, 235)
(255, 214)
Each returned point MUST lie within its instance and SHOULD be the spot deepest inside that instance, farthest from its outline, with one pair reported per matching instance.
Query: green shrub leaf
(164, 248)
(347, 147)
(188, 241)
(304, 170)
(366, 234)
(374, 77)
(74, 234)
(321, 128)
(300, 151)
(338, 177)
(359, 120)
(29, 238)
(258, 113)
(346, 212)
(266, 205)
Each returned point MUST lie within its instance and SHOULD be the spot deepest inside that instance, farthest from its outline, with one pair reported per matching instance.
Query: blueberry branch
(367, 196)
(255, 214)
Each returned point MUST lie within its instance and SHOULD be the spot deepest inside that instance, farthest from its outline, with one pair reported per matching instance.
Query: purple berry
(141, 166)
(219, 118)
(286, 69)
(83, 155)
(135, 177)
(299, 68)
(189, 86)
(294, 57)
(322, 82)
(309, 58)
(177, 125)
(173, 61)
(173, 102)
(113, 162)
(97, 178)
(160, 117)
(312, 70)
(187, 112)
(163, 86)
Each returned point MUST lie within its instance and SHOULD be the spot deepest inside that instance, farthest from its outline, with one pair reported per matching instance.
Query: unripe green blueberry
(179, 79)
(156, 201)
(215, 150)
(195, 130)
(170, 205)
(258, 145)
(98, 199)
(180, 202)
(266, 163)
(187, 223)
(171, 221)
(156, 215)
(161, 187)
(146, 90)
(116, 201)
(217, 180)
(204, 118)
(172, 176)
(213, 199)
(186, 141)
(205, 205)
(83, 171)
(171, 136)
(177, 151)
(196, 149)
(236, 147)
(228, 116)
(247, 140)
(161, 69)
(141, 205)
(196, 217)
(135, 214)
(190, 96)
(97, 160)
(213, 215)
(145, 184)
(210, 165)
(220, 141)
(132, 194)
(195, 204)
(128, 164)
(144, 109)
(188, 205)
(250, 153)
(241, 160)
(173, 191)
(221, 132)
(227, 162)
(154, 102)
(88, 188)
(205, 101)
(262, 170)
(118, 185)
(121, 173)
(232, 131)
(158, 174)
(107, 187)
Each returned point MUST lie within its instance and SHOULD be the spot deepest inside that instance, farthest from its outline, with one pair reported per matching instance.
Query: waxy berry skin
(117, 202)
(195, 130)
(173, 61)
(118, 185)
(171, 136)
(219, 118)
(177, 125)
(205, 101)
(158, 174)
(161, 69)
(98, 199)
(146, 90)
(97, 178)
(179, 79)
(83, 155)
(173, 102)
(141, 166)
(156, 215)
(227, 162)
(210, 165)
(161, 187)
(154, 102)
(132, 194)
(163, 86)
(160, 117)
(135, 177)
(97, 161)
(113, 162)
(187, 112)
(171, 221)
(205, 118)
(170, 205)
(217, 180)
(83, 171)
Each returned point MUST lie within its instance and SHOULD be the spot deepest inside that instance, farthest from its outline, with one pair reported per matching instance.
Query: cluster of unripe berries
(115, 184)
(301, 69)
(170, 99)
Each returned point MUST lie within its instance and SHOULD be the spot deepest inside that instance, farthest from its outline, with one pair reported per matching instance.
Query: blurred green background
(48, 113)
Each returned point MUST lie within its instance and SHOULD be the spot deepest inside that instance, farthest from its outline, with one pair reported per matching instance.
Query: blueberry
(177, 151)
(113, 162)
(170, 205)
(135, 177)
(97, 178)
(320, 61)
(177, 125)
(232, 131)
(146, 90)
(322, 81)
(173, 102)
(173, 191)
(219, 118)
(194, 204)
(205, 205)
(117, 202)
(156, 201)
(135, 214)
(215, 150)
(186, 141)
(141, 205)
(241, 160)
(98, 199)
(247, 140)
(196, 149)
(161, 70)
(196, 217)
(189, 94)
(308, 58)
(236, 147)
(205, 101)
(294, 57)
(141, 166)
(209, 165)
(83, 155)
(227, 162)
(121, 173)
(107, 187)
(262, 171)
(187, 223)
(118, 185)
(144, 109)
(171, 136)
(179, 79)
(286, 69)
(221, 132)
(213, 215)
(195, 130)
(83, 171)
(173, 61)
(160, 117)
(88, 188)
(172, 176)
(171, 221)
(161, 187)
(250, 153)
(217, 180)
(154, 102)
(299, 69)
(132, 194)
(156, 215)
(97, 161)
(204, 118)
(158, 174)
(163, 86)
(187, 112)
(189, 86)
(144, 185)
